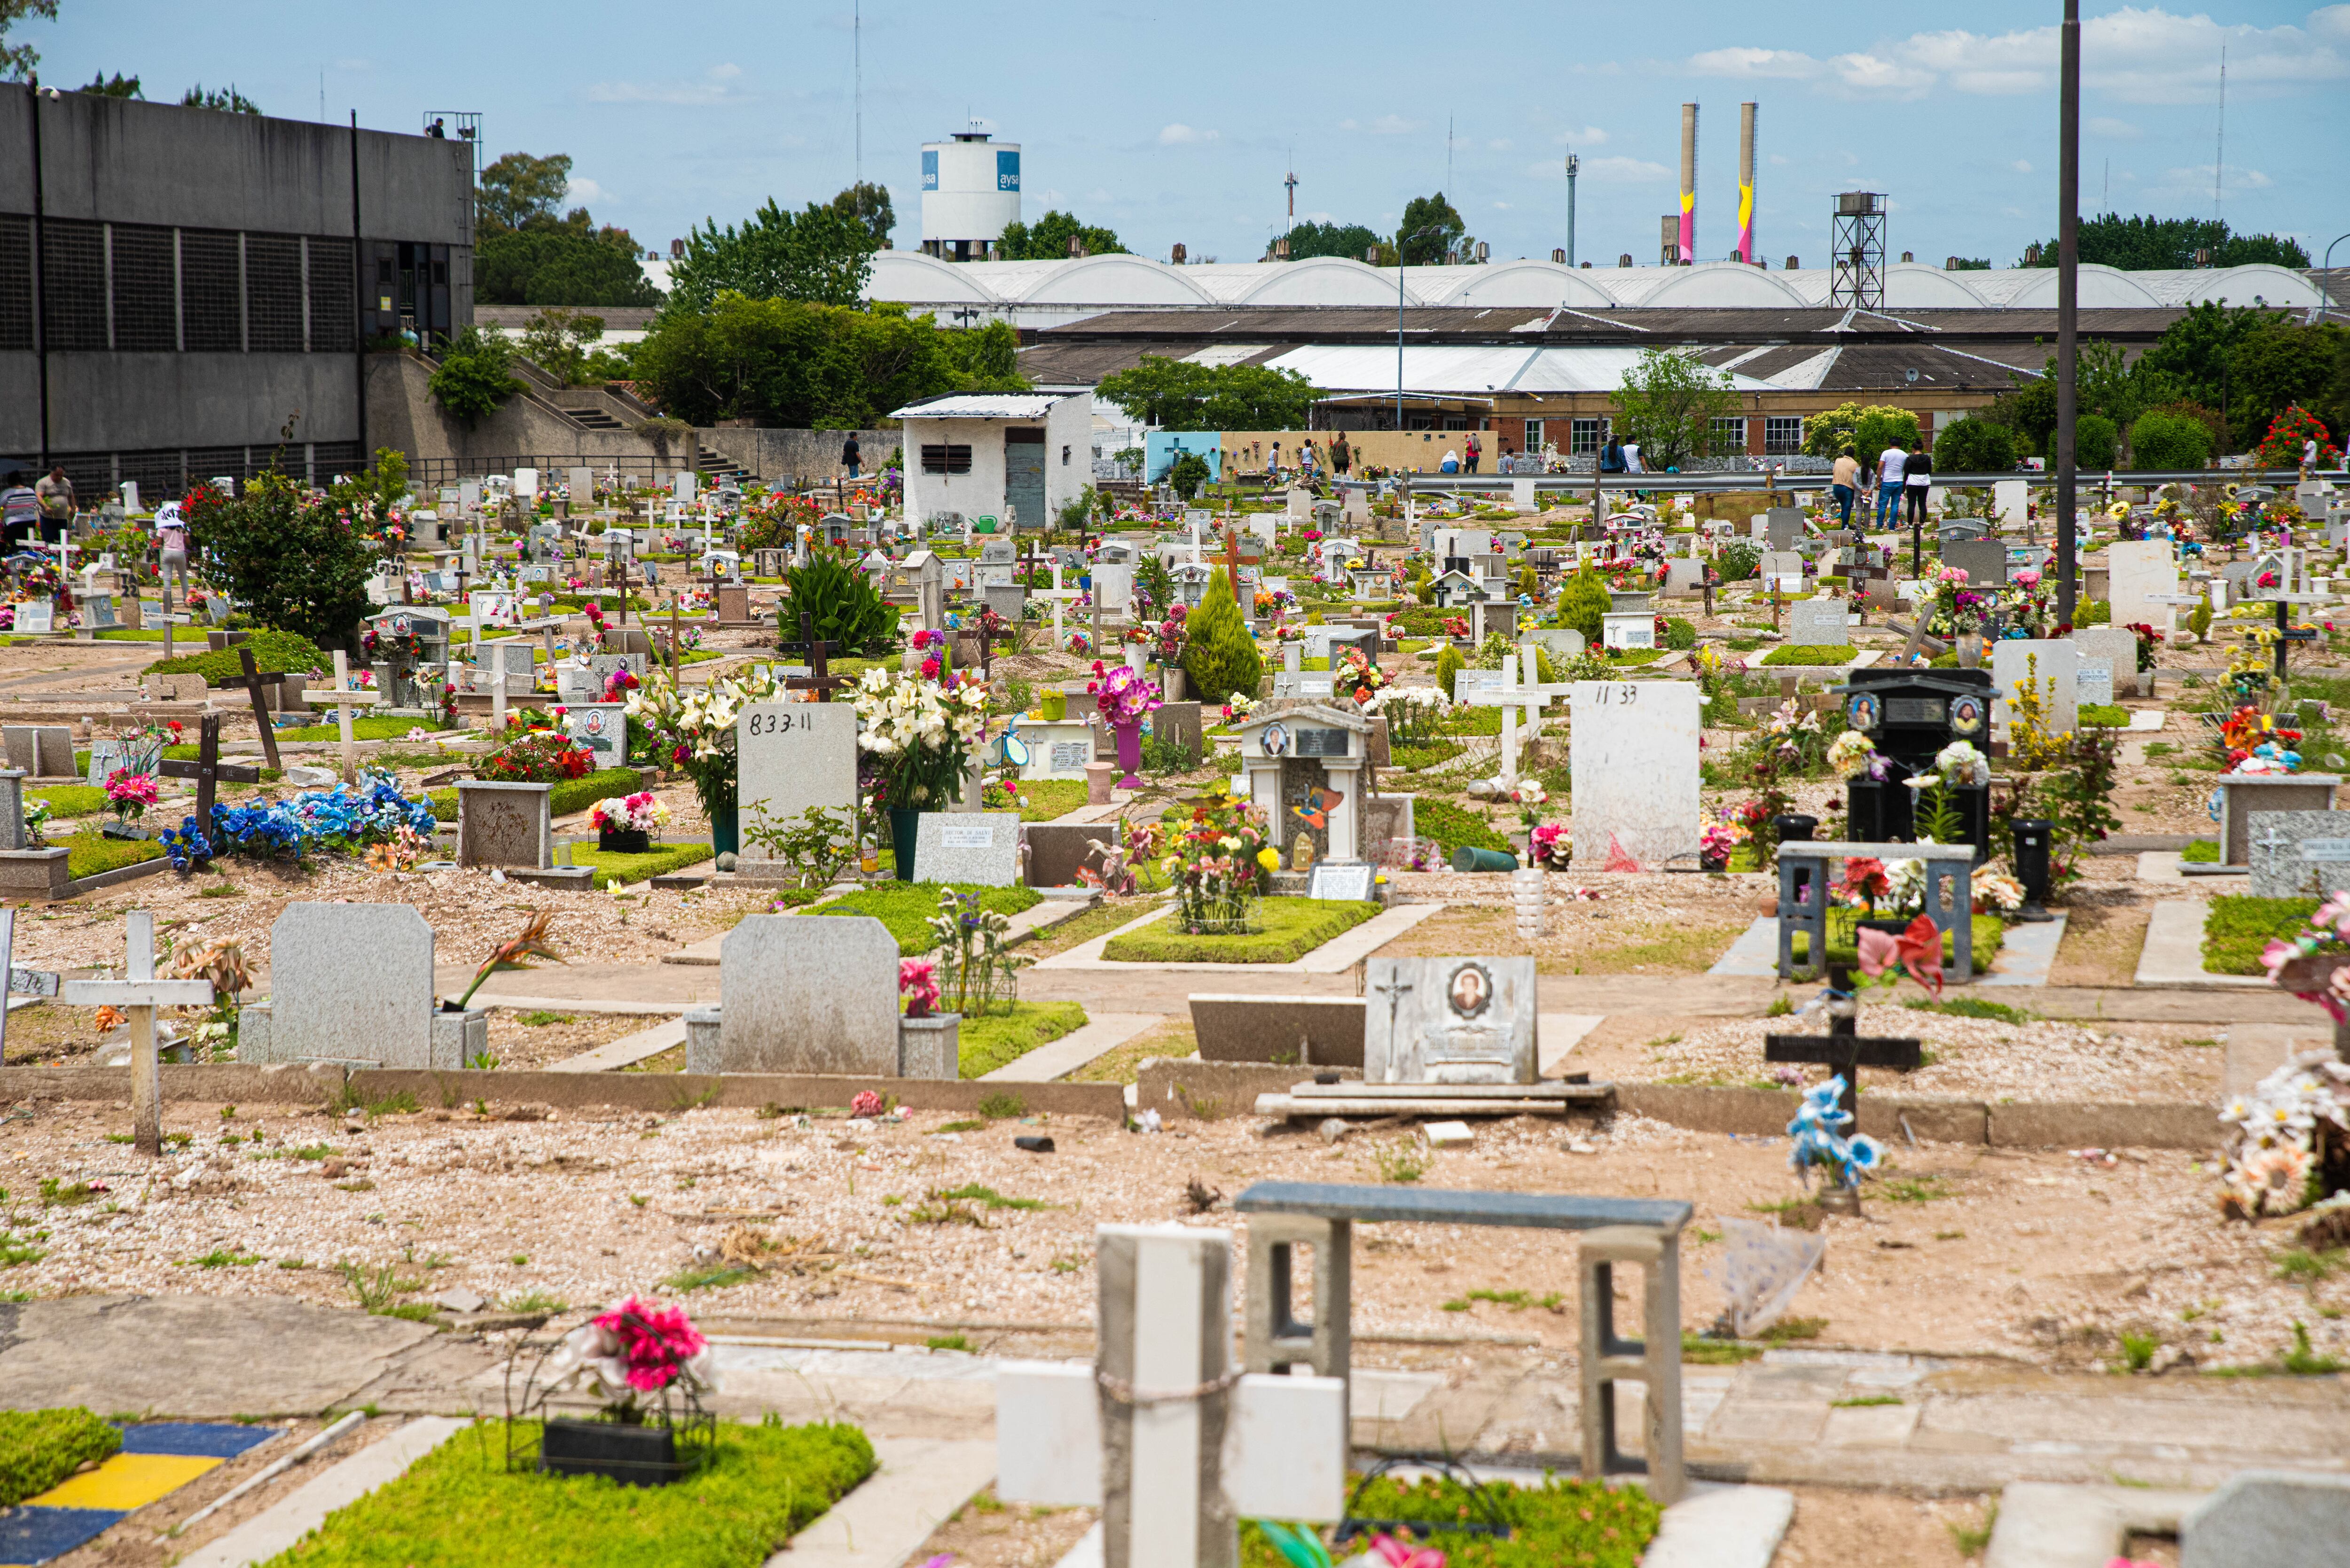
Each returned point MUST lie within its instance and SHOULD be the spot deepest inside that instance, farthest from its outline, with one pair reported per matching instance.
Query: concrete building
(186, 293)
(997, 454)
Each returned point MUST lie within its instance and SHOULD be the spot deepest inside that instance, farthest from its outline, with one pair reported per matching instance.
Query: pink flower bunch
(657, 1343)
(134, 789)
(2027, 578)
(917, 982)
(865, 1104)
(1123, 696)
(929, 668)
(618, 684)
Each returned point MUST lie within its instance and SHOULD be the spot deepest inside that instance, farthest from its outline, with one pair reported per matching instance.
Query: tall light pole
(1402, 240)
(2069, 281)
(2325, 277)
(1573, 165)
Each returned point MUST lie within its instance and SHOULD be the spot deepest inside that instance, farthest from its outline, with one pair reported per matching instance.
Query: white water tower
(970, 194)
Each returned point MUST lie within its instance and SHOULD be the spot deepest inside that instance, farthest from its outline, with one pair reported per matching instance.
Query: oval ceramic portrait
(1470, 990)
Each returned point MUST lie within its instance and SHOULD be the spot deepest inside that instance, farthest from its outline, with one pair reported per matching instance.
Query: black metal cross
(251, 682)
(1841, 1049)
(208, 769)
(823, 682)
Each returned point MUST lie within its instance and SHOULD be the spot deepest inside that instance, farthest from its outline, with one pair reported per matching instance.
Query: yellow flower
(1269, 859)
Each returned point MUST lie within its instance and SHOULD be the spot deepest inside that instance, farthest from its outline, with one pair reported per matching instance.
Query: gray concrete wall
(120, 160)
(402, 413)
(20, 405)
(779, 454)
(124, 403)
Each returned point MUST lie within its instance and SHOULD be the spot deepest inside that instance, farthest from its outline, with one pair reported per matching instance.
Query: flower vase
(1137, 656)
(1170, 680)
(1970, 645)
(726, 831)
(624, 841)
(902, 826)
(1130, 753)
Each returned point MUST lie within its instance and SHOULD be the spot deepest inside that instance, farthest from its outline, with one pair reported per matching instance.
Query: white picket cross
(140, 994)
(343, 700)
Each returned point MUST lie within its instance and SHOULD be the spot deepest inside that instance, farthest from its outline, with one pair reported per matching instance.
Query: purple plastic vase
(1130, 753)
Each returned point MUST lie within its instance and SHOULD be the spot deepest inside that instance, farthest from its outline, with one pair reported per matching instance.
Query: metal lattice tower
(1859, 251)
(463, 125)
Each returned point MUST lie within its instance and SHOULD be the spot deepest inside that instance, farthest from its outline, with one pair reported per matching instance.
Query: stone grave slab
(347, 982)
(1633, 750)
(505, 824)
(1449, 1021)
(2136, 572)
(1782, 570)
(2277, 1519)
(42, 752)
(981, 846)
(1982, 560)
(1783, 525)
(2114, 649)
(2059, 675)
(1819, 623)
(1057, 850)
(1178, 723)
(2299, 854)
(808, 993)
(602, 728)
(110, 755)
(792, 756)
(2093, 687)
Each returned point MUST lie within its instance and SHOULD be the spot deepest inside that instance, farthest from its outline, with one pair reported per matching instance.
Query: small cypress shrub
(1448, 664)
(1221, 657)
(1583, 602)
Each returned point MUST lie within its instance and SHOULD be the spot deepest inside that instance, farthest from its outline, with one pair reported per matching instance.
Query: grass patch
(1042, 800)
(1913, 1189)
(541, 1018)
(717, 1276)
(2200, 851)
(670, 1061)
(1866, 1401)
(1971, 1007)
(459, 1504)
(1414, 758)
(72, 800)
(1002, 1107)
(1698, 1351)
(2104, 716)
(613, 868)
(39, 1449)
(906, 907)
(2240, 926)
(364, 727)
(1293, 927)
(1098, 921)
(273, 652)
(988, 1198)
(1792, 653)
(89, 852)
(1000, 1039)
(1990, 932)
(1587, 1523)
(1454, 826)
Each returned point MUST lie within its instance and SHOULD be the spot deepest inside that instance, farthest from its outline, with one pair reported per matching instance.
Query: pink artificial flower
(930, 669)
(917, 982)
(1396, 1554)
(2027, 578)
(657, 1343)
(866, 1104)
(1917, 949)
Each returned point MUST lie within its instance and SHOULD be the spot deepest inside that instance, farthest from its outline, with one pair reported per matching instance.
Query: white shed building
(998, 454)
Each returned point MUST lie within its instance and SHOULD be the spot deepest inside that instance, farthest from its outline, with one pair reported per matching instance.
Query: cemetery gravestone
(1784, 526)
(110, 755)
(1449, 1021)
(602, 728)
(1819, 623)
(1348, 881)
(348, 982)
(1782, 570)
(2095, 686)
(982, 847)
(505, 824)
(792, 757)
(2299, 854)
(35, 615)
(2055, 666)
(2138, 573)
(804, 994)
(1633, 751)
(43, 752)
(1983, 561)
(2114, 649)
(1178, 723)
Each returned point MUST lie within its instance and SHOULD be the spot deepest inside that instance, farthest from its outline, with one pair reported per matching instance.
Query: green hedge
(365, 727)
(570, 795)
(39, 1449)
(906, 907)
(272, 651)
(72, 800)
(659, 861)
(1293, 927)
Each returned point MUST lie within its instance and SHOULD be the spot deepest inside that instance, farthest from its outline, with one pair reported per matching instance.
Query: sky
(1170, 123)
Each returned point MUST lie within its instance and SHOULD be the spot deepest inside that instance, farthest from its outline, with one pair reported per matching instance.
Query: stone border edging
(240, 1084)
(131, 873)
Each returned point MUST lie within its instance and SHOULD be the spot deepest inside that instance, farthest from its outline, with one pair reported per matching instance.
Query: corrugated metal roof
(1470, 368)
(983, 406)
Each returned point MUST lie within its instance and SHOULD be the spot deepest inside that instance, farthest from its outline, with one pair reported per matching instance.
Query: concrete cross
(140, 994)
(1059, 596)
(343, 700)
(1514, 695)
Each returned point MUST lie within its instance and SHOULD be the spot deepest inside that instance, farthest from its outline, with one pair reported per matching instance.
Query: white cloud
(1386, 125)
(1779, 161)
(1499, 144)
(354, 64)
(1624, 170)
(583, 192)
(725, 73)
(1873, 75)
(2021, 166)
(1500, 206)
(2115, 129)
(2195, 180)
(1181, 135)
(1755, 64)
(1589, 135)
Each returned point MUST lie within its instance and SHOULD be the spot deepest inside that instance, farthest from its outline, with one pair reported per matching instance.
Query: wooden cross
(1842, 1051)
(251, 682)
(343, 700)
(140, 994)
(620, 581)
(208, 770)
(1231, 560)
(823, 682)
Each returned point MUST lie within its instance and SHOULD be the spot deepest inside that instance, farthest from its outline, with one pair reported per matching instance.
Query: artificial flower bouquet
(628, 825)
(130, 794)
(1218, 864)
(1552, 847)
(692, 730)
(635, 1351)
(1958, 610)
(919, 734)
(1123, 697)
(1822, 1143)
(1359, 678)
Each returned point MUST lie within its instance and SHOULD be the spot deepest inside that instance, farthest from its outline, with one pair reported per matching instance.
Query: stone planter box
(35, 874)
(930, 1047)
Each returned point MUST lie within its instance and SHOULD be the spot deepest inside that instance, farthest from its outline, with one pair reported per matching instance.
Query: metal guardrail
(1582, 483)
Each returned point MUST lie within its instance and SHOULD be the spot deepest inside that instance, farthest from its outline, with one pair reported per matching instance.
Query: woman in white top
(171, 535)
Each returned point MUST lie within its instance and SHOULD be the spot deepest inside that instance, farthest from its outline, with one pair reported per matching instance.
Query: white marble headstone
(2057, 671)
(793, 756)
(981, 846)
(1633, 756)
(2138, 569)
(1449, 1021)
(1819, 623)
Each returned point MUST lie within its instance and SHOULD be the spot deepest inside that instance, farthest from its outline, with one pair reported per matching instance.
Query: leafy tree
(2164, 440)
(1049, 239)
(1334, 239)
(564, 263)
(840, 602)
(1974, 446)
(519, 189)
(1972, 264)
(867, 205)
(1179, 395)
(298, 565)
(1430, 213)
(2288, 432)
(373, 492)
(2029, 411)
(17, 60)
(2094, 442)
(228, 100)
(1221, 657)
(2162, 244)
(1186, 473)
(2282, 365)
(1867, 431)
(1668, 404)
(116, 85)
(475, 376)
(820, 255)
(557, 342)
(796, 365)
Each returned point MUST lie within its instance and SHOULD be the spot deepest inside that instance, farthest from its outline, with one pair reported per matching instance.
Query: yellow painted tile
(127, 1481)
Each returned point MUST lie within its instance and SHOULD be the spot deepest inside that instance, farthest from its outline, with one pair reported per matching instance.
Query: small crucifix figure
(140, 994)
(823, 682)
(208, 770)
(1841, 1049)
(251, 682)
(1392, 989)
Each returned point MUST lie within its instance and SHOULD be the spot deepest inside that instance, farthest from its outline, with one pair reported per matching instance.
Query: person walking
(57, 497)
(851, 459)
(1474, 452)
(1273, 467)
(1846, 485)
(1917, 479)
(1611, 456)
(172, 537)
(1888, 485)
(1342, 456)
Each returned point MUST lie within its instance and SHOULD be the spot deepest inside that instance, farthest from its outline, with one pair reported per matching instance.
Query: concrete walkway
(1059, 1058)
(275, 1530)
(626, 1051)
(2172, 958)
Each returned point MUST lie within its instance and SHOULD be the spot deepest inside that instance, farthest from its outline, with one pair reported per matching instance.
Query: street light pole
(2324, 294)
(2068, 292)
(1403, 240)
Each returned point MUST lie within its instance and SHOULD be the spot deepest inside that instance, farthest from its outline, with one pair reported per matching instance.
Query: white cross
(140, 994)
(1514, 695)
(343, 700)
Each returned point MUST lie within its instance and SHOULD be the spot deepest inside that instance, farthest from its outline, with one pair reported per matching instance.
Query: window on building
(146, 293)
(1534, 435)
(940, 458)
(1728, 437)
(1783, 436)
(15, 282)
(73, 285)
(334, 326)
(1589, 436)
(212, 292)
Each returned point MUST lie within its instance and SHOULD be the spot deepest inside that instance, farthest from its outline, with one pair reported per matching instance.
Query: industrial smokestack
(1689, 183)
(1746, 183)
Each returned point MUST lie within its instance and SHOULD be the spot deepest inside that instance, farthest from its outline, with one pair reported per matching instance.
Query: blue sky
(1176, 123)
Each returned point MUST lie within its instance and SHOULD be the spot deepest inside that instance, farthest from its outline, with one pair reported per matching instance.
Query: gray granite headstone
(1178, 723)
(2113, 648)
(573, 684)
(602, 728)
(1819, 623)
(977, 847)
(505, 824)
(110, 755)
(1985, 561)
(40, 752)
(2276, 1519)
(2095, 685)
(1057, 850)
(2299, 854)
(1449, 1021)
(1784, 526)
(12, 809)
(352, 981)
(808, 993)
(1782, 569)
